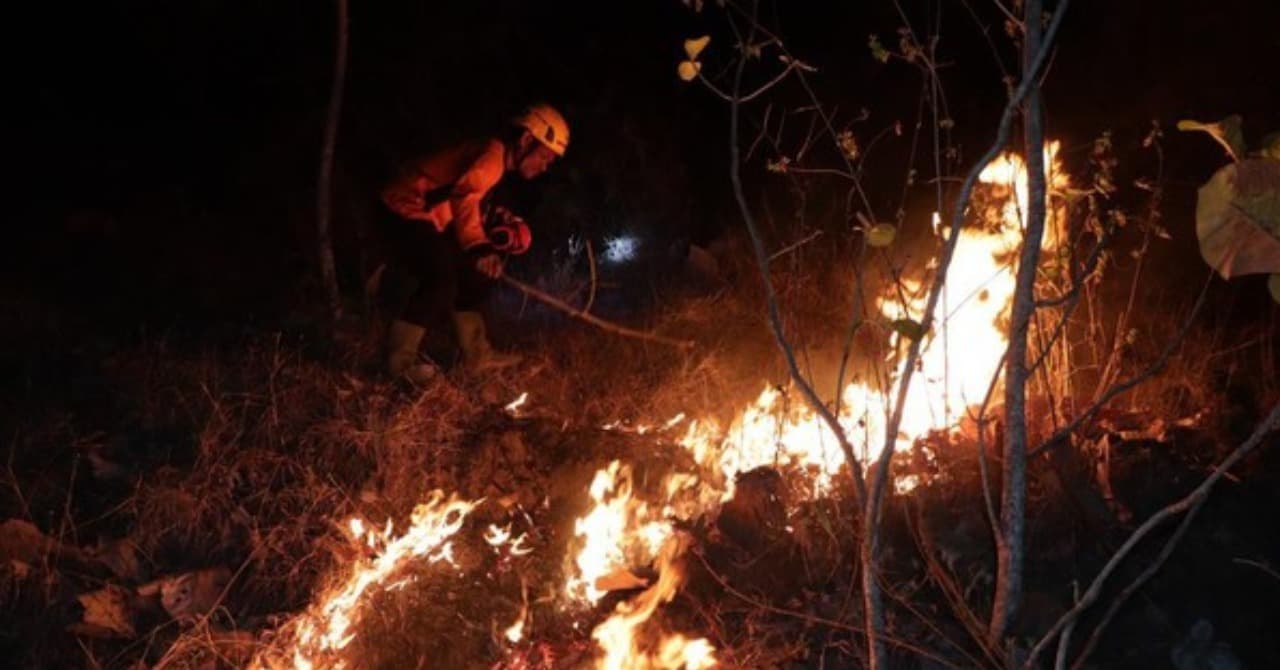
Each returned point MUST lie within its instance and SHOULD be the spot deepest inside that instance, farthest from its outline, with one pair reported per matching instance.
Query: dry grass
(248, 456)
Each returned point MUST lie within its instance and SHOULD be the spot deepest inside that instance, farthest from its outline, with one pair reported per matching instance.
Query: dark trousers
(428, 275)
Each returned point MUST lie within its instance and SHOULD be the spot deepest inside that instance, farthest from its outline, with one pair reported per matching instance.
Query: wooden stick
(593, 320)
(591, 297)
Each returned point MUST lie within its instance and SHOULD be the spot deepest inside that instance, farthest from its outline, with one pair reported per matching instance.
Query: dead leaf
(108, 612)
(1238, 218)
(621, 579)
(689, 70)
(190, 594)
(881, 235)
(21, 540)
(695, 46)
(1227, 132)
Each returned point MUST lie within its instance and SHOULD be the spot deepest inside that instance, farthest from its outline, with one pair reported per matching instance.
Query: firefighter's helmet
(547, 126)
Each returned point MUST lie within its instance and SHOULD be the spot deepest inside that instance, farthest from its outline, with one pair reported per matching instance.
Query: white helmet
(547, 126)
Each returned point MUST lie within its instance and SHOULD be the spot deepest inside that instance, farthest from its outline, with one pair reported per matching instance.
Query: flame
(616, 636)
(514, 406)
(616, 524)
(957, 361)
(677, 651)
(964, 352)
(620, 530)
(496, 536)
(326, 628)
(515, 632)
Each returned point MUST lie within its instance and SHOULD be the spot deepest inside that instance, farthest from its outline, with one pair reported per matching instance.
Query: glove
(489, 265)
(509, 233)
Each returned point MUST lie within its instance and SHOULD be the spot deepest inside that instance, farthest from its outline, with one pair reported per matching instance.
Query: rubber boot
(403, 340)
(477, 354)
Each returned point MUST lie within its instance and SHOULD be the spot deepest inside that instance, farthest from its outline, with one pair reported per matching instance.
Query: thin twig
(795, 245)
(1065, 641)
(804, 82)
(986, 33)
(928, 622)
(1261, 566)
(1120, 387)
(591, 319)
(1133, 587)
(835, 172)
(981, 421)
(812, 618)
(950, 589)
(1008, 14)
(1071, 298)
(1191, 502)
(771, 298)
(793, 65)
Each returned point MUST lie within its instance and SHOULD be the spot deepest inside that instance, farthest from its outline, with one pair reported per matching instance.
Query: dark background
(165, 154)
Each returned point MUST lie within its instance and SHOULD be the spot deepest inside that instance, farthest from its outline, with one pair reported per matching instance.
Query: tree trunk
(325, 181)
(1010, 542)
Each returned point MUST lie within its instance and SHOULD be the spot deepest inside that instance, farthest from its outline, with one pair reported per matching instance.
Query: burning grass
(616, 504)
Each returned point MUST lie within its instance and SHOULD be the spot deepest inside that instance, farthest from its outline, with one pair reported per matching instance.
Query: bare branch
(981, 421)
(775, 316)
(825, 171)
(950, 590)
(1131, 589)
(810, 618)
(1060, 663)
(795, 245)
(1011, 545)
(1077, 281)
(1008, 14)
(324, 186)
(754, 94)
(804, 82)
(1190, 503)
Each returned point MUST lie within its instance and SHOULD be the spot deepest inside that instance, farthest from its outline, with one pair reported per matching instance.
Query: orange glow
(621, 533)
(326, 629)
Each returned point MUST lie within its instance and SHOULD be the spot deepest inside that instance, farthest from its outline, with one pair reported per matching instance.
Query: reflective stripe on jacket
(446, 188)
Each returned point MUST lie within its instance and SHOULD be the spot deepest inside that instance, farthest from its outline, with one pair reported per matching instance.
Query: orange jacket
(446, 188)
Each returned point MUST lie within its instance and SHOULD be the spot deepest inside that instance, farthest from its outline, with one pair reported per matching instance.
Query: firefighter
(447, 246)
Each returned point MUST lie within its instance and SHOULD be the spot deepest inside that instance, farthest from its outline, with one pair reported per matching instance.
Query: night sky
(166, 152)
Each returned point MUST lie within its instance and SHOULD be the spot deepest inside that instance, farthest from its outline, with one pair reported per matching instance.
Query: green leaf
(695, 46)
(908, 328)
(1227, 132)
(688, 70)
(1273, 285)
(881, 235)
